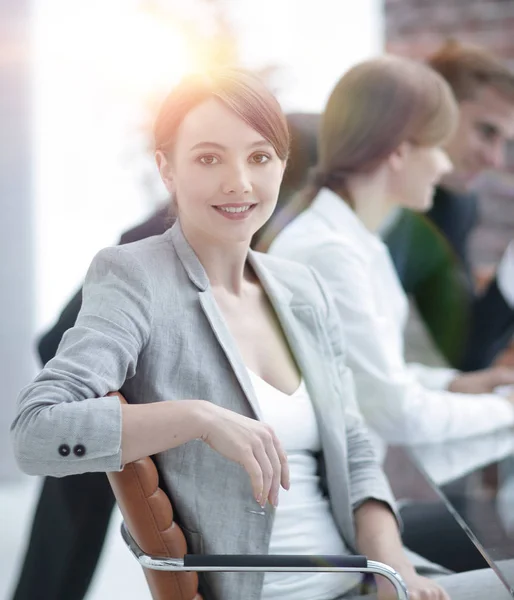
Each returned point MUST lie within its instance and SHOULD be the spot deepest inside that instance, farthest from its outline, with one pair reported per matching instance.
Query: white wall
(16, 220)
(314, 42)
(90, 82)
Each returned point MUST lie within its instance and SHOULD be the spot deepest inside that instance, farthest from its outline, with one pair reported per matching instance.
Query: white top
(406, 404)
(505, 275)
(303, 521)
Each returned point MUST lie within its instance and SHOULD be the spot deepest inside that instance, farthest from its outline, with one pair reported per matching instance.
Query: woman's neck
(225, 263)
(370, 199)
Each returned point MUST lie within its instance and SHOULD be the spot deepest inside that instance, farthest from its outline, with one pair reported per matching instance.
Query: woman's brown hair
(240, 91)
(375, 107)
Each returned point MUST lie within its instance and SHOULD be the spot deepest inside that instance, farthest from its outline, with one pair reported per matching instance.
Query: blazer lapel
(198, 277)
(226, 341)
(299, 323)
(302, 328)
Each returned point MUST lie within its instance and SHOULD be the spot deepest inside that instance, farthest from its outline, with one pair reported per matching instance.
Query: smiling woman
(202, 336)
(222, 154)
(183, 324)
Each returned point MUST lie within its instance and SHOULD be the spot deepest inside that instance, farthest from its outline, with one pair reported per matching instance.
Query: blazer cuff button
(64, 450)
(79, 450)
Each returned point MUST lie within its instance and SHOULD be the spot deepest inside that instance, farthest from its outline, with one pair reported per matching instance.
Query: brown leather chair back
(148, 515)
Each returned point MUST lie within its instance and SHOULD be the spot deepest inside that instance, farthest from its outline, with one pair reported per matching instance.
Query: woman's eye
(487, 131)
(208, 159)
(260, 158)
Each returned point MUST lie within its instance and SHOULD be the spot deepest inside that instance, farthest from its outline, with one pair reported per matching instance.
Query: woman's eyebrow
(222, 147)
(208, 145)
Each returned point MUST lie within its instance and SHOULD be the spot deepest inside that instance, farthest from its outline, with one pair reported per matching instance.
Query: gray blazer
(150, 326)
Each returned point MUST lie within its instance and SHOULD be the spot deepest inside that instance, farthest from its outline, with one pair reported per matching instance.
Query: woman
(230, 359)
(379, 148)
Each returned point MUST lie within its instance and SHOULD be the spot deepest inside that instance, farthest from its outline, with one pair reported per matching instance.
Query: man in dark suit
(469, 329)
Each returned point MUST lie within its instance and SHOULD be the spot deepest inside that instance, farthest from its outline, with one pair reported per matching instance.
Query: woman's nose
(237, 181)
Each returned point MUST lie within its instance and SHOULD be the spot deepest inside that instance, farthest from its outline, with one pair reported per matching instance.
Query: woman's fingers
(284, 463)
(269, 467)
(254, 470)
(253, 445)
(272, 452)
(261, 455)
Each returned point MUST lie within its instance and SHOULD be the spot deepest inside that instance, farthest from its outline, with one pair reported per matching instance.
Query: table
(474, 478)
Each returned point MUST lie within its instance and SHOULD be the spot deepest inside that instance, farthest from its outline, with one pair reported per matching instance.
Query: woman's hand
(250, 443)
(482, 382)
(419, 588)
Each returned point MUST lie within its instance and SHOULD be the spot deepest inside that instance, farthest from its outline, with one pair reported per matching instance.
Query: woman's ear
(398, 158)
(163, 164)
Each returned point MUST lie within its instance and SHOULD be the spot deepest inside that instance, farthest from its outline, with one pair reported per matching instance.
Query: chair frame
(264, 563)
(148, 510)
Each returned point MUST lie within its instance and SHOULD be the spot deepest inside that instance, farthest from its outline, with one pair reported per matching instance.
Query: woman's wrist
(197, 418)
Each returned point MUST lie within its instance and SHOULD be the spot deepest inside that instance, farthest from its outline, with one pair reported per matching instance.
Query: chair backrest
(148, 515)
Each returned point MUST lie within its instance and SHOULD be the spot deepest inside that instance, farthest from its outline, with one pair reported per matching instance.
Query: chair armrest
(266, 563)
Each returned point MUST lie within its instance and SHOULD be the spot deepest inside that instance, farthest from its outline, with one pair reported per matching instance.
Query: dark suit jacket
(430, 255)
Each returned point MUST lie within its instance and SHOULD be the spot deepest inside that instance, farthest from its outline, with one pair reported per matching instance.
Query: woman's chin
(425, 202)
(240, 234)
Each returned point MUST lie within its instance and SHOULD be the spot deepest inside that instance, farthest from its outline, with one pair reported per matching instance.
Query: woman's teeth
(233, 209)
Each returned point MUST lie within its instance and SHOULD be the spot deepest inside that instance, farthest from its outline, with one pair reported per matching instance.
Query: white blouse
(303, 521)
(405, 404)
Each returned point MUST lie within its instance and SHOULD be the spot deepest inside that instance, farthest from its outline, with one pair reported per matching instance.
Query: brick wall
(415, 27)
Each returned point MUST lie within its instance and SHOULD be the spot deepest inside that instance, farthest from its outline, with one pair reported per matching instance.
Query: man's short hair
(467, 68)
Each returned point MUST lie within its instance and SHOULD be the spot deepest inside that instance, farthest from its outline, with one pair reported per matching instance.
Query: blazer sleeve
(66, 407)
(367, 479)
(391, 399)
(49, 342)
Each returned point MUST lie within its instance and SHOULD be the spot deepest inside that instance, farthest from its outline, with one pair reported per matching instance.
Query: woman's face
(224, 175)
(414, 179)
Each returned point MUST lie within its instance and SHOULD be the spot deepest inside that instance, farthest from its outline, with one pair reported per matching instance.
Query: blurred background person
(414, 31)
(469, 327)
(431, 252)
(370, 161)
(380, 146)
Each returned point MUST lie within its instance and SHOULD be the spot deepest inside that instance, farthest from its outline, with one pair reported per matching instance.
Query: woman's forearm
(378, 536)
(151, 428)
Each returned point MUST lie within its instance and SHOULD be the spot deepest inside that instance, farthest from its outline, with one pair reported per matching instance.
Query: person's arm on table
(378, 538)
